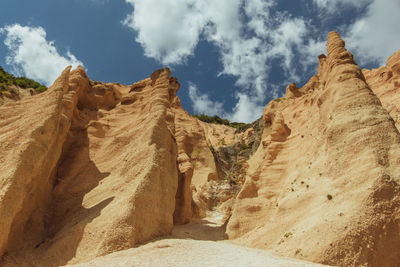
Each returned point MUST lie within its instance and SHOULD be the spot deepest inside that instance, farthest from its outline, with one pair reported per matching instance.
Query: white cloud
(202, 103)
(376, 36)
(247, 60)
(311, 51)
(167, 30)
(33, 56)
(247, 109)
(332, 6)
(289, 35)
(222, 19)
(258, 12)
(247, 36)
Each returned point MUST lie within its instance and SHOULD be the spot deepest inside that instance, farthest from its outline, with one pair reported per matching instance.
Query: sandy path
(199, 243)
(210, 228)
(186, 252)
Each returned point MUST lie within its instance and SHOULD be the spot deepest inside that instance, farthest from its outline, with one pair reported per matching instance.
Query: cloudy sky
(230, 56)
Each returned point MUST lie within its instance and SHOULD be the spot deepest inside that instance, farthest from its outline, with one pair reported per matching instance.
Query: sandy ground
(199, 243)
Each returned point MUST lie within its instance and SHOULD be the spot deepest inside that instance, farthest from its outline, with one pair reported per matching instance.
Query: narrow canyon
(106, 174)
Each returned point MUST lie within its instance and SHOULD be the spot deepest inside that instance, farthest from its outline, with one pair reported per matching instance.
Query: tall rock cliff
(89, 169)
(28, 159)
(385, 83)
(324, 184)
(93, 169)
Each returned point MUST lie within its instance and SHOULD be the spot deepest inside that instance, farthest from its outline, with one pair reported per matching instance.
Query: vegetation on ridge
(218, 120)
(7, 79)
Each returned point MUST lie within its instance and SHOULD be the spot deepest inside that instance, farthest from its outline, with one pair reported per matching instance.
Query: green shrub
(41, 89)
(3, 87)
(218, 120)
(278, 99)
(287, 235)
(221, 142)
(23, 82)
(94, 82)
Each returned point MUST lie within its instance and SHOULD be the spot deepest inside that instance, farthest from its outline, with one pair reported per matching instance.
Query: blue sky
(230, 56)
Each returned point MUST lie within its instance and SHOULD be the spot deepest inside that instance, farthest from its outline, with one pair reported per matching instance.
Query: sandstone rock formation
(84, 178)
(324, 186)
(93, 171)
(14, 93)
(385, 83)
(196, 166)
(28, 159)
(101, 168)
(292, 91)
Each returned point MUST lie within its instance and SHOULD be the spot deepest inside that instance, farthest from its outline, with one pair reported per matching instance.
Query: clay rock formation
(14, 93)
(29, 157)
(93, 171)
(385, 83)
(325, 184)
(292, 91)
(86, 174)
(199, 178)
(102, 168)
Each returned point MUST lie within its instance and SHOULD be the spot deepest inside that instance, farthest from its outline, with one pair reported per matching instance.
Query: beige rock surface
(199, 181)
(292, 91)
(114, 183)
(385, 83)
(175, 252)
(88, 170)
(116, 167)
(324, 186)
(32, 132)
(196, 166)
(15, 93)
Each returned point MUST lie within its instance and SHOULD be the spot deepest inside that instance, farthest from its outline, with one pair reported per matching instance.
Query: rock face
(85, 176)
(90, 169)
(324, 186)
(196, 165)
(385, 83)
(29, 158)
(292, 91)
(199, 176)
(14, 93)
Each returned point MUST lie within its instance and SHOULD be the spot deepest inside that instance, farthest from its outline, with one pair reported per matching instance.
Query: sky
(231, 56)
